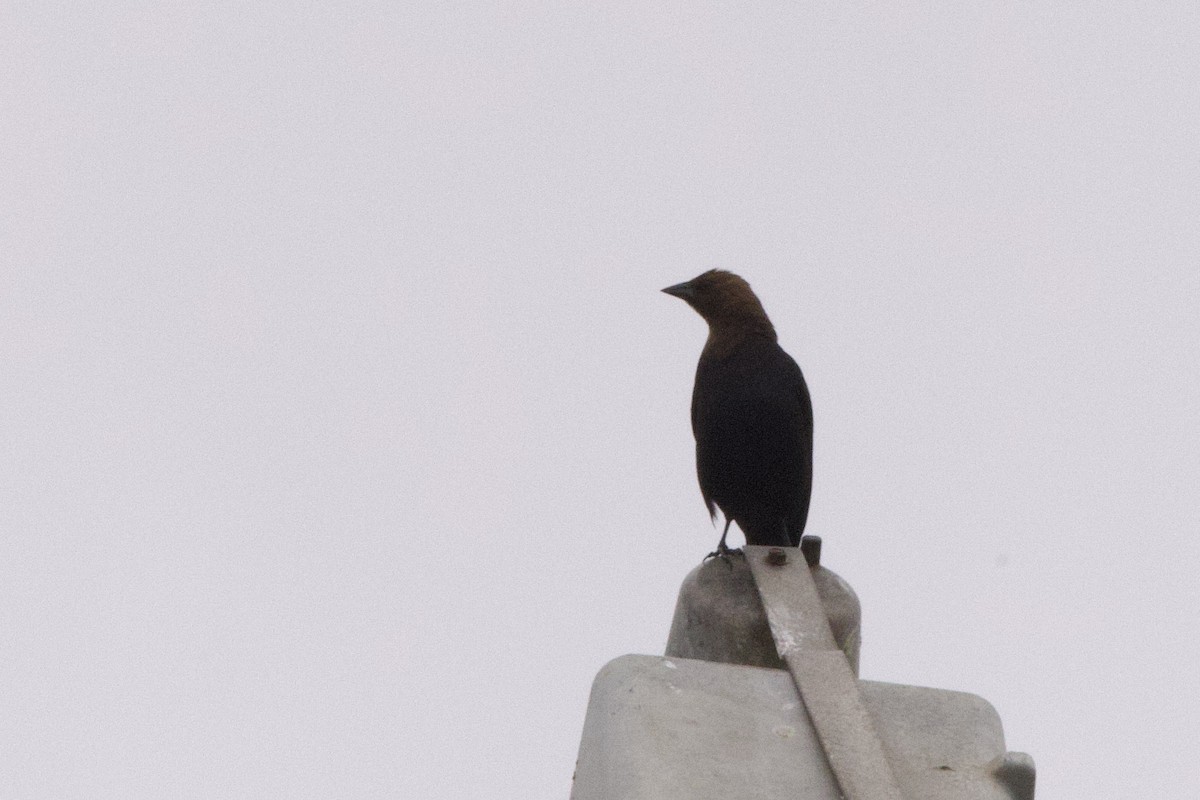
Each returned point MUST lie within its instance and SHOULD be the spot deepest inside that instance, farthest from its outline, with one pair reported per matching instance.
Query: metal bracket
(822, 675)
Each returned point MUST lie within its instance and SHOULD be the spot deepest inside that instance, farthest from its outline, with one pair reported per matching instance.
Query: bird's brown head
(725, 301)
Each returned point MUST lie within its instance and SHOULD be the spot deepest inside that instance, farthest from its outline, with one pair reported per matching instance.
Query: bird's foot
(722, 552)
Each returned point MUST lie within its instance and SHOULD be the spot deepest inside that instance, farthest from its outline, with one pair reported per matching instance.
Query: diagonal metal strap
(821, 673)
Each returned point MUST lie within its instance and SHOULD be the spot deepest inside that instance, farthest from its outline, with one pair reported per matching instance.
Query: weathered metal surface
(803, 727)
(828, 687)
(719, 616)
(674, 729)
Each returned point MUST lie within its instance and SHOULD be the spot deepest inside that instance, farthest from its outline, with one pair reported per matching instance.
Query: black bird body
(751, 416)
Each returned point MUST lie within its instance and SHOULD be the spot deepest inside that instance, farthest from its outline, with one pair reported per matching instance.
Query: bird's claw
(722, 552)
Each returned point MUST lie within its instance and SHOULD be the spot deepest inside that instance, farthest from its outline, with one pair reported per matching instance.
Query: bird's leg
(721, 546)
(722, 550)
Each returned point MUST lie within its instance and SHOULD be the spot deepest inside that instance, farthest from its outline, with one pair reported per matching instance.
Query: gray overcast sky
(346, 432)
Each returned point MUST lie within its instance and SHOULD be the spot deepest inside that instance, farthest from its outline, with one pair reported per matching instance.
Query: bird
(751, 416)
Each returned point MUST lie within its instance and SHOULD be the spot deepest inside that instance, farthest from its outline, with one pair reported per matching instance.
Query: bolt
(776, 557)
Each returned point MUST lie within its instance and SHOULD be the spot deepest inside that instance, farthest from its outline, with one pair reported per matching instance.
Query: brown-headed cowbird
(751, 415)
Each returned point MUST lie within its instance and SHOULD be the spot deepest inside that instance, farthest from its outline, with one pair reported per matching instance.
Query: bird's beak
(684, 291)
